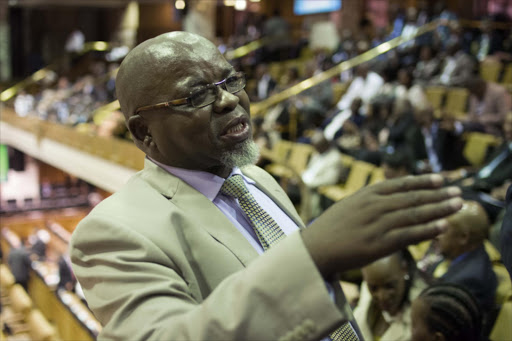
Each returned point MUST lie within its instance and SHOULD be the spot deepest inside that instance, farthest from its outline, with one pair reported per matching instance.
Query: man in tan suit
(174, 255)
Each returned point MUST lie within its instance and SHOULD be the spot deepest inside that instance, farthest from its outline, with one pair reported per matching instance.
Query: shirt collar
(206, 183)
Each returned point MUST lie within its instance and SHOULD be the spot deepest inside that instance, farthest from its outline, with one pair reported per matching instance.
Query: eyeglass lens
(208, 95)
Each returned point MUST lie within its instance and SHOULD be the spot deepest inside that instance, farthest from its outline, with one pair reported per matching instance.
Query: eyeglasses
(206, 95)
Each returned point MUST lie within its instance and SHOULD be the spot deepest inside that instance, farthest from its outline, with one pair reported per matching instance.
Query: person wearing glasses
(203, 245)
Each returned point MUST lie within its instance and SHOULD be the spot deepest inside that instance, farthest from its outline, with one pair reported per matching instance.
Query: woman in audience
(445, 312)
(390, 284)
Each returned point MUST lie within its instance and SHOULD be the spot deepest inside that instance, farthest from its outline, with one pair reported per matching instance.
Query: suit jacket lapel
(209, 217)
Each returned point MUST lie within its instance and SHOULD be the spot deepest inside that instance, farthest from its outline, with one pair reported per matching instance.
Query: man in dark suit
(19, 262)
(462, 246)
(434, 148)
(67, 279)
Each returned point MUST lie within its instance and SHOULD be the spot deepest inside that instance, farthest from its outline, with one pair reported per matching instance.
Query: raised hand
(378, 220)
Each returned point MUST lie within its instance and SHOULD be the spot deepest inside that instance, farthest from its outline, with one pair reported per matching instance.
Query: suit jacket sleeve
(506, 234)
(141, 291)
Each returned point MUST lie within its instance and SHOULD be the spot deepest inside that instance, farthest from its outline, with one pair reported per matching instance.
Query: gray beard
(246, 153)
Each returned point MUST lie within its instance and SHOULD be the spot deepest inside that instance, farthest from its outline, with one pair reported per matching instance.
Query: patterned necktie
(269, 232)
(266, 228)
(344, 333)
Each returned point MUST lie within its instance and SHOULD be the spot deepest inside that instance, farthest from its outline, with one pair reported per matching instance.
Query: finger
(398, 201)
(401, 238)
(409, 183)
(420, 214)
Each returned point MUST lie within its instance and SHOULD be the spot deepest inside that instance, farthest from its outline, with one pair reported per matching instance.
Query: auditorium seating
(477, 146)
(14, 315)
(294, 162)
(502, 329)
(358, 177)
(39, 328)
(490, 70)
(456, 103)
(44, 313)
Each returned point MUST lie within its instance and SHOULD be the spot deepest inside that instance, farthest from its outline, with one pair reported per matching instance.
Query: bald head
(155, 64)
(466, 230)
(471, 219)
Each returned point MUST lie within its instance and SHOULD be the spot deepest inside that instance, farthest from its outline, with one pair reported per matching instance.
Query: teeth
(236, 129)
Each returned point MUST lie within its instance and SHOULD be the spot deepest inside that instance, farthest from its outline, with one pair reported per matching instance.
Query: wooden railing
(119, 151)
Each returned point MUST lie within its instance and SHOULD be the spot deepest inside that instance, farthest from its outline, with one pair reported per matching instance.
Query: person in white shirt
(366, 85)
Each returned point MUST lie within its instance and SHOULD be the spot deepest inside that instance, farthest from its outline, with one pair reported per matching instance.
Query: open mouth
(237, 130)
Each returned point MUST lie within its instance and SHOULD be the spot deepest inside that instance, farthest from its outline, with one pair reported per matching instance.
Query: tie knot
(234, 186)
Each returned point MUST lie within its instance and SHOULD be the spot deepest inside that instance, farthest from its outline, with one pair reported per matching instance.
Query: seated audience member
(363, 143)
(457, 67)
(397, 164)
(488, 105)
(409, 30)
(24, 103)
(67, 279)
(398, 125)
(427, 67)
(468, 264)
(39, 242)
(389, 285)
(445, 312)
(366, 85)
(323, 168)
(434, 148)
(19, 262)
(414, 93)
(265, 84)
(333, 127)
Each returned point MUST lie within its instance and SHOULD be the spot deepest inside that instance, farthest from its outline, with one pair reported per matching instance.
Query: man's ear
(138, 128)
(464, 236)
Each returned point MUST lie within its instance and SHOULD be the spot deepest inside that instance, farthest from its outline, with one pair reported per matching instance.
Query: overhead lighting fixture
(240, 5)
(229, 3)
(179, 4)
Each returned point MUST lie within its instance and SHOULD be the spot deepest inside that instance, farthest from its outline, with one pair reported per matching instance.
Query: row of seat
(24, 321)
(290, 159)
(448, 100)
(495, 71)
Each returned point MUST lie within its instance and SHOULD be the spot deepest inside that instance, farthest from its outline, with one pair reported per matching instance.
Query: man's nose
(225, 101)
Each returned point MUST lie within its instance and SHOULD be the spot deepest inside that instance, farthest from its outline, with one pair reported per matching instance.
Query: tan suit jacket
(159, 261)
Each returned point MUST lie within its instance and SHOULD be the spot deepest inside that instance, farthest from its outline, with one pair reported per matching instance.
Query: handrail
(40, 74)
(258, 108)
(246, 49)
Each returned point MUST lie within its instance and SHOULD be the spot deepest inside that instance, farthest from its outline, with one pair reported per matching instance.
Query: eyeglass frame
(187, 100)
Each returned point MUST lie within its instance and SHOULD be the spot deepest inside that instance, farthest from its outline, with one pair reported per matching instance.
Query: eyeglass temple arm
(162, 105)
